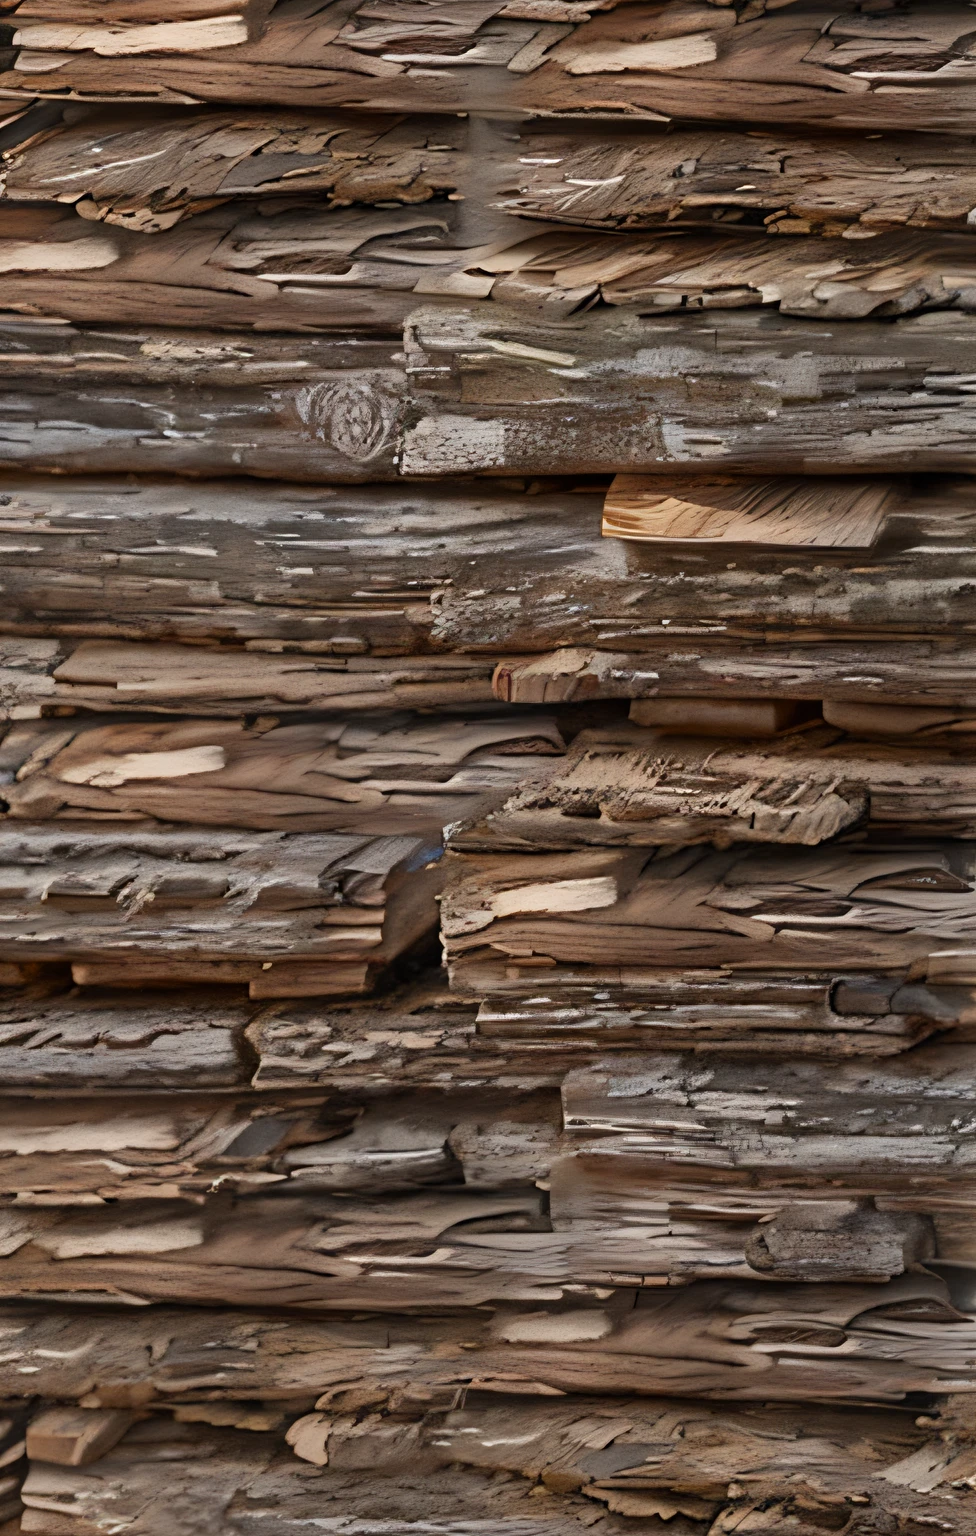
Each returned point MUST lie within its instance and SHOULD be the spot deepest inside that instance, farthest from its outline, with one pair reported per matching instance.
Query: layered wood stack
(488, 692)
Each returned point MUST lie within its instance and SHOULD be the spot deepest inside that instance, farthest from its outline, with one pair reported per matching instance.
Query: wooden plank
(142, 168)
(382, 774)
(819, 63)
(266, 898)
(145, 167)
(371, 573)
(509, 394)
(314, 268)
(826, 669)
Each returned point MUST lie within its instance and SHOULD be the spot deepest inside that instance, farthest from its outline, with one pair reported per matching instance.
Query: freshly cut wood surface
(822, 63)
(651, 1458)
(625, 787)
(197, 895)
(367, 570)
(891, 907)
(744, 1341)
(365, 773)
(819, 512)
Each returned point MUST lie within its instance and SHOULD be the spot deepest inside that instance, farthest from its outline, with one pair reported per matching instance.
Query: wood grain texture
(818, 62)
(213, 898)
(374, 773)
(144, 167)
(302, 268)
(741, 1341)
(891, 907)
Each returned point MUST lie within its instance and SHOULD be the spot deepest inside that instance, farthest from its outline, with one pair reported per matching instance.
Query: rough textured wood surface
(638, 787)
(146, 168)
(671, 1462)
(477, 565)
(740, 1341)
(823, 63)
(298, 268)
(891, 907)
(509, 393)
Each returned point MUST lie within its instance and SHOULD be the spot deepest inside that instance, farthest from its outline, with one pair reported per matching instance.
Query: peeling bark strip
(246, 1465)
(595, 395)
(893, 908)
(641, 788)
(823, 63)
(370, 571)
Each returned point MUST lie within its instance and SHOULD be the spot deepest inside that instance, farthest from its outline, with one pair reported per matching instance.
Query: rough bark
(299, 268)
(146, 168)
(508, 394)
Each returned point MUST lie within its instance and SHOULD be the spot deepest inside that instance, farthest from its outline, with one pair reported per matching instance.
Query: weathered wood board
(144, 167)
(820, 63)
(631, 787)
(505, 394)
(482, 564)
(739, 1341)
(860, 905)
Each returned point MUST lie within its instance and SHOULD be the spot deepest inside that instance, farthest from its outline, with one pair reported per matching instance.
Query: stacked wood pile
(487, 713)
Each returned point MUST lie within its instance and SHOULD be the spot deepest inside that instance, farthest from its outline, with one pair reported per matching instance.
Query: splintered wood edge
(815, 513)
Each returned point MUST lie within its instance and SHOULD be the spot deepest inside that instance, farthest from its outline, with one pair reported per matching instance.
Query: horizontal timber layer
(354, 570)
(366, 1469)
(640, 787)
(819, 62)
(301, 268)
(744, 1341)
(497, 392)
(146, 168)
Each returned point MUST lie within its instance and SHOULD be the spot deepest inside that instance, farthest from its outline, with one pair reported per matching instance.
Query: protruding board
(816, 512)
